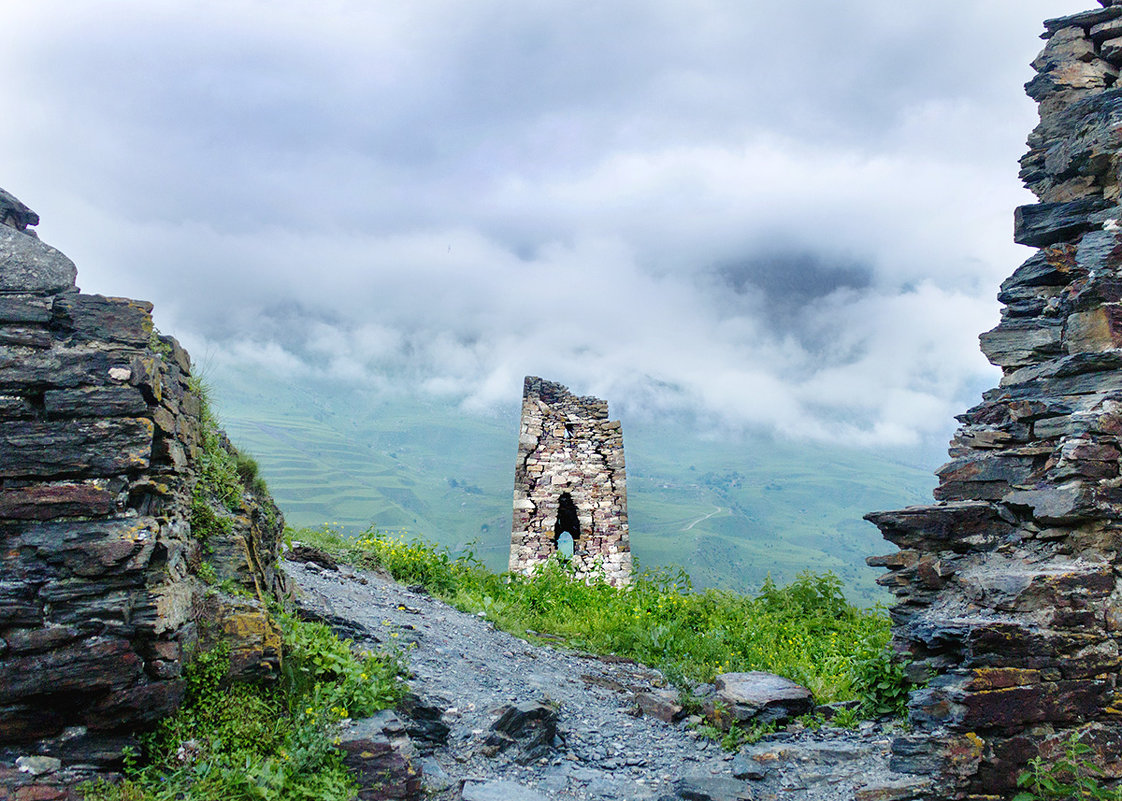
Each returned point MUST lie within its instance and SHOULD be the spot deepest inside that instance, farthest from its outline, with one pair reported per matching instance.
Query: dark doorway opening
(567, 524)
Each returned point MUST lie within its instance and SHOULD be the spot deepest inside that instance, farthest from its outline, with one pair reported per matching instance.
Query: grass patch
(806, 630)
(262, 742)
(225, 474)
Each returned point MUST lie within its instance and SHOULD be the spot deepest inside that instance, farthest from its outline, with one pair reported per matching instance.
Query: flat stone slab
(758, 696)
(499, 791)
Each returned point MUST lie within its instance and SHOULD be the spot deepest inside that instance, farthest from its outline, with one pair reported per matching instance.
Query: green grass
(806, 631)
(265, 742)
(417, 466)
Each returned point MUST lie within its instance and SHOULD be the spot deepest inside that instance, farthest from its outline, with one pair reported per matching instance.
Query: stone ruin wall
(1007, 588)
(568, 450)
(99, 453)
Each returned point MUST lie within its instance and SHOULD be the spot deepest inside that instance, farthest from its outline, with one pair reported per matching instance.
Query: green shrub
(249, 473)
(1072, 775)
(880, 678)
(207, 573)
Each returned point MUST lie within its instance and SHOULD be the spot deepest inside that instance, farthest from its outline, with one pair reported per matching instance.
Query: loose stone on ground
(570, 730)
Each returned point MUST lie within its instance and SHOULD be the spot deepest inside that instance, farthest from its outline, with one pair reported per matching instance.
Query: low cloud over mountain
(783, 217)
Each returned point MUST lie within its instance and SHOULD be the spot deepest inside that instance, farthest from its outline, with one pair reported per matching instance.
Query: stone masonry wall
(1007, 587)
(570, 477)
(100, 443)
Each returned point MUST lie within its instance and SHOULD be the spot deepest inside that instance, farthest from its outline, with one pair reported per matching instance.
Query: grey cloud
(783, 216)
(792, 278)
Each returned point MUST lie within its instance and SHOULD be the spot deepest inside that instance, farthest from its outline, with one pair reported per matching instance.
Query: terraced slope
(729, 512)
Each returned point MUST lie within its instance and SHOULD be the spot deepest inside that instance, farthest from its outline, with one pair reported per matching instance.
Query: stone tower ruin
(1008, 597)
(569, 479)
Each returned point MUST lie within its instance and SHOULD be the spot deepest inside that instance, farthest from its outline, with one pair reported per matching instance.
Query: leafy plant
(880, 678)
(1072, 775)
(845, 718)
(207, 574)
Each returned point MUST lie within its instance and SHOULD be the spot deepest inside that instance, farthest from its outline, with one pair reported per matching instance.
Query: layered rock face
(100, 452)
(570, 478)
(1007, 587)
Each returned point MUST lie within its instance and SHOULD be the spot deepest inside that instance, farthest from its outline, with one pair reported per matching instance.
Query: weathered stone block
(1085, 19)
(1048, 223)
(142, 704)
(74, 447)
(379, 755)
(120, 401)
(1015, 707)
(22, 369)
(102, 319)
(99, 663)
(530, 726)
(986, 476)
(1095, 330)
(49, 501)
(25, 309)
(661, 704)
(30, 266)
(1015, 343)
(23, 722)
(758, 697)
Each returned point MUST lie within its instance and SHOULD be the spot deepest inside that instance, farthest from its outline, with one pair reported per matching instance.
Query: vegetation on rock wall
(262, 741)
(219, 481)
(806, 631)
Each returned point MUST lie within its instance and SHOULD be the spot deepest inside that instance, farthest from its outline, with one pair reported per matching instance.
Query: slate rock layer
(1007, 597)
(570, 479)
(100, 601)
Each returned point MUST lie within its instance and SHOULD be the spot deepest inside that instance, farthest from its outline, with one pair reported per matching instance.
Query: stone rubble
(570, 477)
(1007, 588)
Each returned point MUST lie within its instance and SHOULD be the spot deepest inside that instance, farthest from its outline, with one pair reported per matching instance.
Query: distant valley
(730, 512)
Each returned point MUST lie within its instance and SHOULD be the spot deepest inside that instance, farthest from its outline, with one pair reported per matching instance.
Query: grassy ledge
(805, 631)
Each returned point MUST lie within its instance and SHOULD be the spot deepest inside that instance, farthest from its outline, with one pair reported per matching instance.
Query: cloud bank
(786, 219)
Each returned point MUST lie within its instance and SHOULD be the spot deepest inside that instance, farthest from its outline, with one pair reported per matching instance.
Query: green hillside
(729, 511)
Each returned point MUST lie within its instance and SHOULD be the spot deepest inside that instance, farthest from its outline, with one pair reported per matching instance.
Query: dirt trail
(603, 750)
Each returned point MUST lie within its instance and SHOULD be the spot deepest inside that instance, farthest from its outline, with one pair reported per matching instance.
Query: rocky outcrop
(1007, 589)
(570, 478)
(104, 491)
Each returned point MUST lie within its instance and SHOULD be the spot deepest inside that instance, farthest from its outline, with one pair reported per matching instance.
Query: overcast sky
(784, 216)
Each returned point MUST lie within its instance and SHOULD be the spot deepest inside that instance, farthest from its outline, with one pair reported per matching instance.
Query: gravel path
(603, 750)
